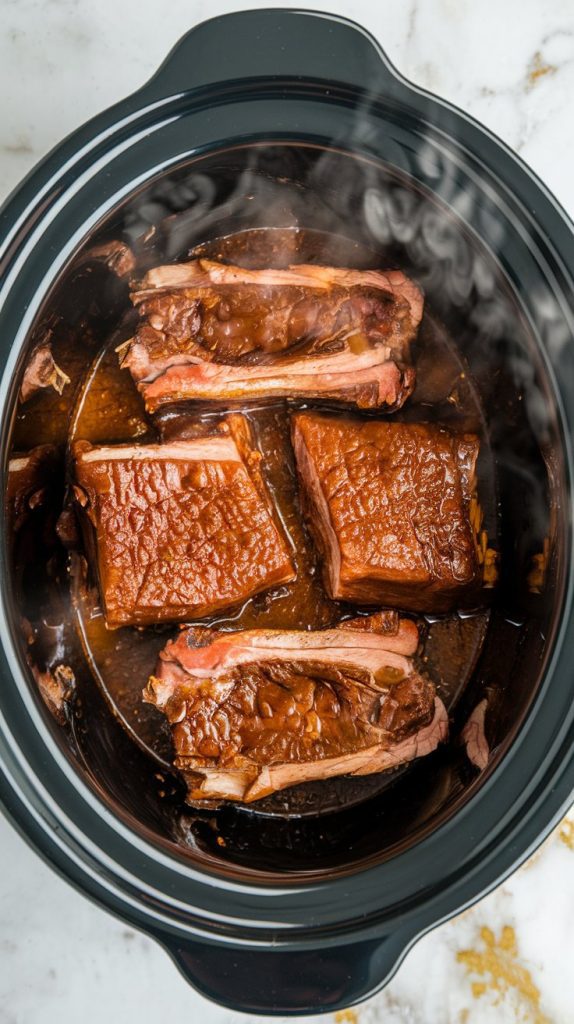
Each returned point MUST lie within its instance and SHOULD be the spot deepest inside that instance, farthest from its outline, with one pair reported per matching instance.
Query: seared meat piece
(211, 331)
(474, 737)
(42, 371)
(389, 507)
(232, 313)
(116, 256)
(56, 687)
(181, 529)
(257, 711)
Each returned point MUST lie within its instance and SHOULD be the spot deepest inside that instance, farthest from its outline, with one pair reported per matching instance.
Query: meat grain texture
(389, 506)
(256, 711)
(181, 530)
(212, 331)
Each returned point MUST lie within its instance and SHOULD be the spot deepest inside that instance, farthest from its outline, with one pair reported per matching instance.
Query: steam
(466, 272)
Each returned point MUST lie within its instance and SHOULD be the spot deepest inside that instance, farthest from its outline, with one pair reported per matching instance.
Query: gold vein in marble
(501, 973)
(538, 69)
(566, 833)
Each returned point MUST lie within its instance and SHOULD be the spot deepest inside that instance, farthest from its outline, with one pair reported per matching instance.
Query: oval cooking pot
(264, 937)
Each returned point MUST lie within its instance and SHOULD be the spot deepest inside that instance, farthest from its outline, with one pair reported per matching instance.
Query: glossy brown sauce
(108, 408)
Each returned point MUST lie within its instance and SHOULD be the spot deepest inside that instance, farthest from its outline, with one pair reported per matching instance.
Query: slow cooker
(282, 118)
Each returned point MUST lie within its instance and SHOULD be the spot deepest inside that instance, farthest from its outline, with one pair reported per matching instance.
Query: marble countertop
(509, 958)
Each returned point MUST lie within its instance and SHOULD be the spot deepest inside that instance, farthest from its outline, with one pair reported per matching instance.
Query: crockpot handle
(274, 44)
(275, 981)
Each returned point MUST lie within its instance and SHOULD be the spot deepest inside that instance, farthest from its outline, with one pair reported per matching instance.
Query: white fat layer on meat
(248, 785)
(201, 449)
(207, 273)
(16, 465)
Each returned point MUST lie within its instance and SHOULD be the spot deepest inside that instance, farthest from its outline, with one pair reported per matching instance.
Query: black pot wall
(363, 156)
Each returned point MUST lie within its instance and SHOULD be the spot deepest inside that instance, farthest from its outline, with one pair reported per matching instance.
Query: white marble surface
(511, 64)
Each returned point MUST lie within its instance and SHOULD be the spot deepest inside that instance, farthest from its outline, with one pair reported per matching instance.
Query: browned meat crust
(182, 529)
(389, 507)
(213, 331)
(257, 711)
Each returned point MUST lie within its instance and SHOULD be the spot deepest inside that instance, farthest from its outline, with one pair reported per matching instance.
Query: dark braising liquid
(107, 408)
